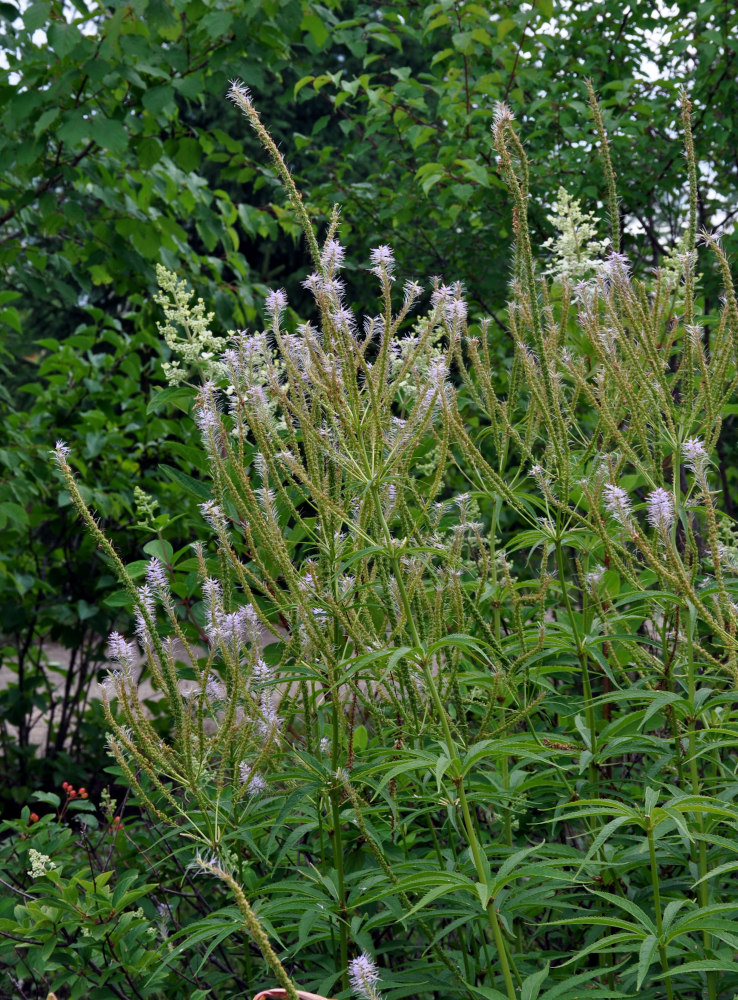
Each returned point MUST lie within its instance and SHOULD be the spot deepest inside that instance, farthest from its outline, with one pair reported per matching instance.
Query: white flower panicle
(576, 252)
(660, 509)
(41, 864)
(198, 347)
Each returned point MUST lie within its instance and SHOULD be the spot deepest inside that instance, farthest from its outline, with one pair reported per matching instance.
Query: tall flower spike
(383, 261)
(364, 976)
(660, 509)
(695, 455)
(332, 256)
(275, 304)
(617, 503)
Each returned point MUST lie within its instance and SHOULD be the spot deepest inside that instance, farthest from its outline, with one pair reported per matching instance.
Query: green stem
(471, 836)
(657, 907)
(338, 862)
(702, 888)
(582, 657)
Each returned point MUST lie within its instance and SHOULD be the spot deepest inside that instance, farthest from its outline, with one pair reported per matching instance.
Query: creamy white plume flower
(660, 508)
(41, 864)
(576, 252)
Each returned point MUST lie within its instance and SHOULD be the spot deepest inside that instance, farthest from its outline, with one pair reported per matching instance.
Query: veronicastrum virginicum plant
(494, 716)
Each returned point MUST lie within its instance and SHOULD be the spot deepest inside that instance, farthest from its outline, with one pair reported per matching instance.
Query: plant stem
(702, 888)
(657, 906)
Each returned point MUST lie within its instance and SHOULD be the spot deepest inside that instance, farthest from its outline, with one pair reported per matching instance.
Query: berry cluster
(73, 793)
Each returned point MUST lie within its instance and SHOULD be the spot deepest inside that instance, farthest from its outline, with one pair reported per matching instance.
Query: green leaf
(159, 99)
(532, 984)
(75, 129)
(645, 958)
(149, 151)
(14, 513)
(174, 395)
(318, 31)
(198, 489)
(110, 134)
(44, 120)
(50, 798)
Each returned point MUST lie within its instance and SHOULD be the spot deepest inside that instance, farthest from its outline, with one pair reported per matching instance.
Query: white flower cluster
(576, 252)
(41, 864)
(199, 347)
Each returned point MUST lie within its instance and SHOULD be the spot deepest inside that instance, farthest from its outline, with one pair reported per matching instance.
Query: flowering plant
(446, 709)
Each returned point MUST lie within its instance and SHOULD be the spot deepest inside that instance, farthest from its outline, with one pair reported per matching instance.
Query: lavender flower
(617, 503)
(121, 651)
(617, 266)
(262, 672)
(157, 578)
(275, 305)
(214, 689)
(270, 722)
(344, 319)
(255, 783)
(332, 256)
(695, 455)
(214, 515)
(61, 452)
(364, 976)
(213, 593)
(383, 261)
(146, 609)
(660, 509)
(455, 312)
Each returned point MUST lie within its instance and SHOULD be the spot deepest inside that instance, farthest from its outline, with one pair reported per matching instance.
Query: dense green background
(118, 150)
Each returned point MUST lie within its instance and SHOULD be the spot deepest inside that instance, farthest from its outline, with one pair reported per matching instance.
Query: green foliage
(91, 388)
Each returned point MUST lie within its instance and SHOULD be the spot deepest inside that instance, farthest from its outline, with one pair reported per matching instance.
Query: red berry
(72, 794)
(65, 785)
(83, 794)
(33, 818)
(82, 790)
